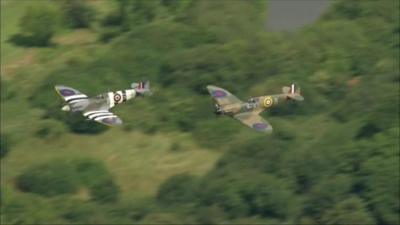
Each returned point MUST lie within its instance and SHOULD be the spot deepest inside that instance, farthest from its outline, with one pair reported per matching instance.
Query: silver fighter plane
(97, 108)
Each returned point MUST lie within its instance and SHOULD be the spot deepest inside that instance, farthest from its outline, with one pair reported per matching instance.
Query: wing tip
(111, 123)
(59, 86)
(210, 87)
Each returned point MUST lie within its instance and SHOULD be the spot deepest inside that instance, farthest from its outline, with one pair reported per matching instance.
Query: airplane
(248, 112)
(97, 108)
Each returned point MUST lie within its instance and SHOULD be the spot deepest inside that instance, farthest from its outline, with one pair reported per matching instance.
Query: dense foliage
(4, 146)
(65, 177)
(38, 26)
(76, 13)
(333, 159)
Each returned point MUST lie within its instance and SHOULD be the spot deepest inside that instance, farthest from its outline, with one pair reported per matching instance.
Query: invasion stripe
(103, 117)
(94, 116)
(124, 96)
(73, 99)
(93, 112)
(75, 96)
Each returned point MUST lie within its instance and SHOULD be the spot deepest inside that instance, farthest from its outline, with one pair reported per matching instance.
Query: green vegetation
(332, 159)
(77, 14)
(4, 146)
(37, 25)
(65, 177)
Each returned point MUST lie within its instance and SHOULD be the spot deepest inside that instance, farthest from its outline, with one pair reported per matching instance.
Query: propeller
(218, 110)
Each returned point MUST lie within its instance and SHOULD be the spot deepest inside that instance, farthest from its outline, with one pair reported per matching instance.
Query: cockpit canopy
(102, 96)
(252, 100)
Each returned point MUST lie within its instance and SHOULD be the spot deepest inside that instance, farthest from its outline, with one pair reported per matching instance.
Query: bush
(37, 25)
(66, 177)
(178, 189)
(175, 146)
(104, 191)
(50, 129)
(367, 131)
(249, 193)
(7, 90)
(4, 146)
(50, 179)
(222, 130)
(112, 19)
(108, 34)
(79, 124)
(349, 211)
(77, 13)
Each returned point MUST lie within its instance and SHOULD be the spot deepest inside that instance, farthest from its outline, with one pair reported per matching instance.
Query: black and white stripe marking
(75, 98)
(99, 118)
(94, 115)
(124, 96)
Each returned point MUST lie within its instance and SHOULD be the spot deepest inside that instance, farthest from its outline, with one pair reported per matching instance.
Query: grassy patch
(138, 162)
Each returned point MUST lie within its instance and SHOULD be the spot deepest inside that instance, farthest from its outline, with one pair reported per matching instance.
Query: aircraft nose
(65, 108)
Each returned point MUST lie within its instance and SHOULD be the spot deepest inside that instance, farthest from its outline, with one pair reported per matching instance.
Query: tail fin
(142, 88)
(293, 92)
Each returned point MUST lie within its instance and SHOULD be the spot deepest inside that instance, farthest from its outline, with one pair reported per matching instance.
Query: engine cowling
(218, 110)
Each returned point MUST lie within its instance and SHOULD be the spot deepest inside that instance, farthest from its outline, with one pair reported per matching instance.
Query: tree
(49, 179)
(178, 189)
(349, 211)
(326, 193)
(4, 147)
(38, 26)
(77, 13)
(105, 191)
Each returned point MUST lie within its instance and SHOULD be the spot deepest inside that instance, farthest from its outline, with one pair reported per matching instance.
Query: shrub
(214, 134)
(178, 189)
(349, 211)
(367, 131)
(66, 177)
(108, 34)
(37, 25)
(50, 179)
(175, 146)
(4, 147)
(249, 193)
(77, 13)
(7, 90)
(105, 191)
(112, 19)
(78, 124)
(50, 129)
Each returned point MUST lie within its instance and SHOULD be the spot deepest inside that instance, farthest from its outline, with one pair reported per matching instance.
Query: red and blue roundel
(260, 126)
(117, 97)
(109, 120)
(67, 92)
(219, 94)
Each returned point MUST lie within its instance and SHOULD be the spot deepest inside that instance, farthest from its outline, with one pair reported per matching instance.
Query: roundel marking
(109, 120)
(260, 126)
(117, 97)
(219, 94)
(67, 92)
(268, 101)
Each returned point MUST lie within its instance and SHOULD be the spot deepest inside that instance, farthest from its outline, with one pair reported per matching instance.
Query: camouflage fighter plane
(97, 108)
(248, 112)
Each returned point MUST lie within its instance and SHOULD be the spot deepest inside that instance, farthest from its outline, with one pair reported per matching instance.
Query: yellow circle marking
(268, 101)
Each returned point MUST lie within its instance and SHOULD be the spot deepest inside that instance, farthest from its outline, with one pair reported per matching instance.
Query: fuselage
(259, 104)
(118, 97)
(103, 101)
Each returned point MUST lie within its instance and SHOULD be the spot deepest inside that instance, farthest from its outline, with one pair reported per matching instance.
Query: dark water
(287, 15)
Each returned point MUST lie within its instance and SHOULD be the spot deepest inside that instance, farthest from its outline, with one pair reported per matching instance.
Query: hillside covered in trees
(332, 159)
